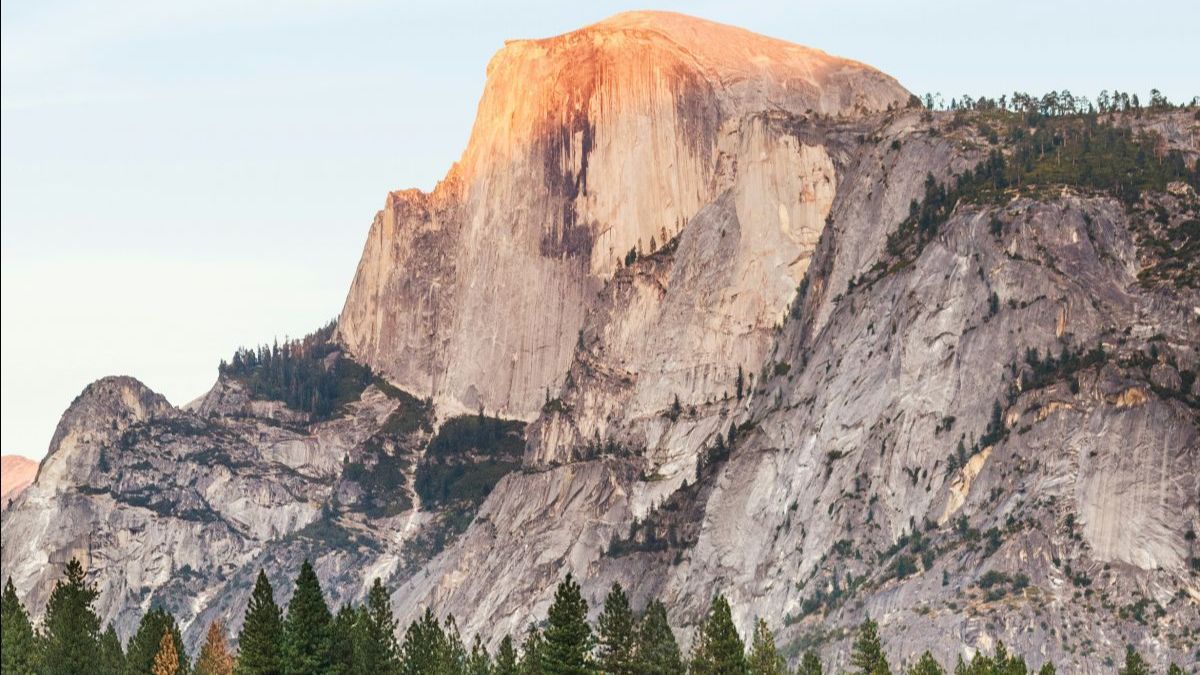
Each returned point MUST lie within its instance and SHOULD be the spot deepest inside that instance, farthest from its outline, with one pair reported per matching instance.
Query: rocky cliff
(696, 312)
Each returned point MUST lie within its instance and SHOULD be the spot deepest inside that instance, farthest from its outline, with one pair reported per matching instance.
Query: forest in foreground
(307, 638)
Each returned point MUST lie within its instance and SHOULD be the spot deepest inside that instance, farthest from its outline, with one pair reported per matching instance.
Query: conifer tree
(110, 660)
(1134, 664)
(424, 646)
(18, 648)
(347, 639)
(927, 665)
(166, 659)
(506, 658)
(568, 637)
(1174, 669)
(454, 656)
(531, 652)
(1048, 669)
(719, 649)
(657, 651)
(764, 658)
(306, 643)
(146, 643)
(616, 639)
(866, 656)
(71, 629)
(261, 641)
(479, 663)
(810, 664)
(214, 658)
(377, 650)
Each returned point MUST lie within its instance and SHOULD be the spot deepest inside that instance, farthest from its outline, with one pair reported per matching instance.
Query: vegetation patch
(310, 375)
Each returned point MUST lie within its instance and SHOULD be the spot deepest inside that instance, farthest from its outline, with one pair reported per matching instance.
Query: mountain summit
(586, 146)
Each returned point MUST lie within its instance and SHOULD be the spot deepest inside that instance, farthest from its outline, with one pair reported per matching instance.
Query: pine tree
(166, 659)
(531, 652)
(506, 658)
(424, 646)
(927, 665)
(867, 655)
(479, 663)
(568, 637)
(306, 645)
(110, 660)
(719, 648)
(764, 658)
(454, 656)
(347, 639)
(146, 643)
(616, 639)
(810, 664)
(1048, 669)
(1174, 669)
(18, 648)
(71, 629)
(261, 640)
(377, 650)
(657, 651)
(214, 658)
(1134, 664)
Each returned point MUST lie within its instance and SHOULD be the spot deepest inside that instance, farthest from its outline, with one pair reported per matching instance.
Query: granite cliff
(677, 319)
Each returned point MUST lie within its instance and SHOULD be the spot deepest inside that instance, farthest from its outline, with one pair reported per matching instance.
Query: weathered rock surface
(782, 421)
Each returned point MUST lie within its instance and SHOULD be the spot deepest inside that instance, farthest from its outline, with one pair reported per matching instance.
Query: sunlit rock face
(586, 146)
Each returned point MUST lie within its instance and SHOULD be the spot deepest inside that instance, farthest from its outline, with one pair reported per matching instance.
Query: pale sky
(180, 178)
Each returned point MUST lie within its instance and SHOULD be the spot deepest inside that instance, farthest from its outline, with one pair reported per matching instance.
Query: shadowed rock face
(757, 183)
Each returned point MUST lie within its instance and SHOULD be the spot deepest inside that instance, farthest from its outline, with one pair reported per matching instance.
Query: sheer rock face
(757, 168)
(586, 146)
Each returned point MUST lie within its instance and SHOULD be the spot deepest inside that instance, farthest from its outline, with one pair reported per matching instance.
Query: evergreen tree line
(1055, 102)
(300, 373)
(308, 639)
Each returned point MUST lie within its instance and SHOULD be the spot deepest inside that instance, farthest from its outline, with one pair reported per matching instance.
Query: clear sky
(180, 178)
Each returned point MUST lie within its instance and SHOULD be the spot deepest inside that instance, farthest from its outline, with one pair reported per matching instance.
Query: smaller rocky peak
(100, 414)
(117, 397)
